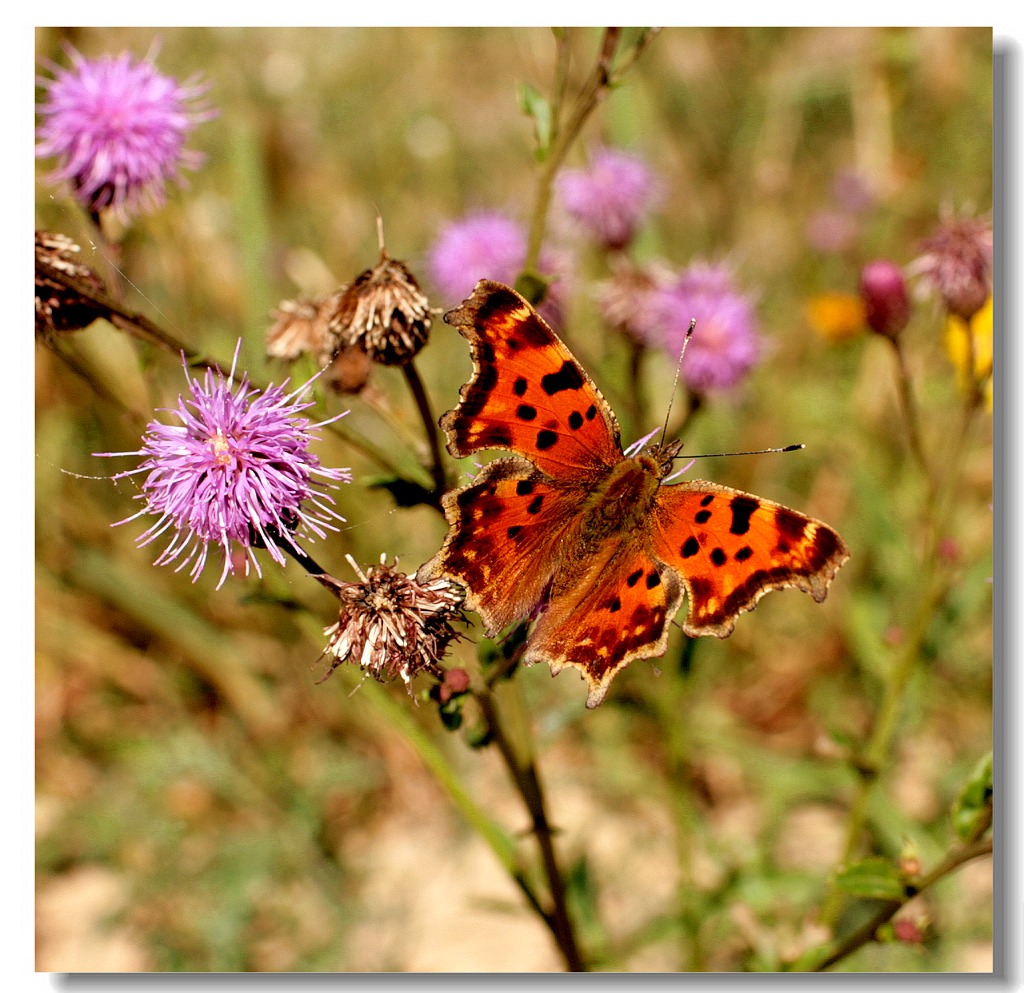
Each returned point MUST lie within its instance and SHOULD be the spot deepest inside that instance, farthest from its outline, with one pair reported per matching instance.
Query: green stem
(525, 776)
(910, 414)
(591, 93)
(673, 707)
(638, 396)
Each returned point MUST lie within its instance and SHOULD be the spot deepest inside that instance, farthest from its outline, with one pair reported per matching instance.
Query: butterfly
(590, 543)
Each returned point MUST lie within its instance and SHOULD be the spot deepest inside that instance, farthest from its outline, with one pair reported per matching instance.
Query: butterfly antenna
(759, 451)
(675, 381)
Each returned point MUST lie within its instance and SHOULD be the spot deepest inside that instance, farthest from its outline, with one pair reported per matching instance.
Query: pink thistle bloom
(957, 261)
(611, 198)
(117, 128)
(237, 469)
(489, 245)
(725, 345)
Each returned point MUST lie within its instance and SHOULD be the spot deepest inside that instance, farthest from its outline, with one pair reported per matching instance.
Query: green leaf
(975, 800)
(872, 879)
(534, 105)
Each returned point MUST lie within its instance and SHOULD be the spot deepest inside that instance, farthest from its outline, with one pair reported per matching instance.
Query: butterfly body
(589, 542)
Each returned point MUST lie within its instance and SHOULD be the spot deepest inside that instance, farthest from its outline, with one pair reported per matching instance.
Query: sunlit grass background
(202, 805)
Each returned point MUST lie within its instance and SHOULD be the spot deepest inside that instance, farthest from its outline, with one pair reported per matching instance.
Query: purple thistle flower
(725, 344)
(486, 245)
(489, 245)
(236, 469)
(117, 128)
(609, 199)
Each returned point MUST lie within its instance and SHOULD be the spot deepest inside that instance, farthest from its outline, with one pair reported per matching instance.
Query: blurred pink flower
(725, 344)
(118, 128)
(611, 197)
(490, 245)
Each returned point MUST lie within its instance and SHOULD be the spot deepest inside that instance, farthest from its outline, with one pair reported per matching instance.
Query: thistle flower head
(957, 262)
(59, 308)
(236, 470)
(117, 128)
(725, 344)
(886, 300)
(392, 625)
(611, 197)
(384, 312)
(489, 245)
(484, 245)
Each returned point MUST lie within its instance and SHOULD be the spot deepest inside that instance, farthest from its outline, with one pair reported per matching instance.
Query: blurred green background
(202, 805)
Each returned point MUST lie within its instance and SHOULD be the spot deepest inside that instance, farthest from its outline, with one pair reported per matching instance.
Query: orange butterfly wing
(507, 528)
(730, 548)
(528, 394)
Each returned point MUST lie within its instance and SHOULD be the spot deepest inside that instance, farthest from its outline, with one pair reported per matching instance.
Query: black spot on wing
(742, 508)
(568, 377)
(546, 439)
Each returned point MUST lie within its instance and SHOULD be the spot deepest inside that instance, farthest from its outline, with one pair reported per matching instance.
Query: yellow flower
(963, 337)
(835, 316)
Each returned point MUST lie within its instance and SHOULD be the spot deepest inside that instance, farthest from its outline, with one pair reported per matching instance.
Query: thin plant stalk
(430, 426)
(525, 776)
(594, 89)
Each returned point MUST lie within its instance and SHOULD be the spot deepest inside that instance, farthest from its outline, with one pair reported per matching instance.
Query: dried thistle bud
(392, 625)
(957, 261)
(384, 312)
(58, 307)
(349, 371)
(300, 326)
(886, 301)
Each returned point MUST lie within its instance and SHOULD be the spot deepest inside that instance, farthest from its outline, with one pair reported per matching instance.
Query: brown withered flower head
(300, 326)
(58, 306)
(392, 625)
(384, 312)
(957, 261)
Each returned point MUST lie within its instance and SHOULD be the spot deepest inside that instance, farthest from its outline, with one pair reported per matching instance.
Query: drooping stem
(141, 327)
